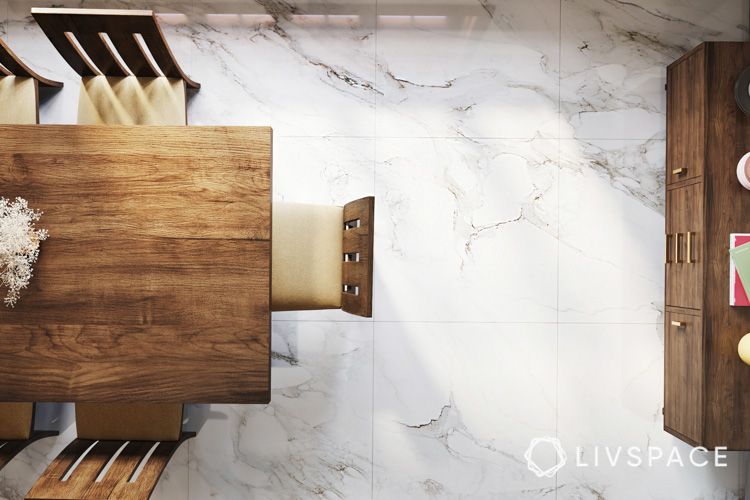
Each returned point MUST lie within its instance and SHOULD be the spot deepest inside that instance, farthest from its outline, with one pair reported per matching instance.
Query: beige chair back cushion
(307, 257)
(132, 101)
(19, 100)
(16, 420)
(129, 421)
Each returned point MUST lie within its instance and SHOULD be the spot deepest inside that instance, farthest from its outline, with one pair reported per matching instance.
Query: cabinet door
(686, 112)
(684, 247)
(683, 375)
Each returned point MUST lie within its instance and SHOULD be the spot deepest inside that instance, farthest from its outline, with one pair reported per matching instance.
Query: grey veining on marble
(516, 152)
(313, 440)
(614, 54)
(306, 68)
(443, 428)
(610, 394)
(468, 69)
(611, 231)
(440, 224)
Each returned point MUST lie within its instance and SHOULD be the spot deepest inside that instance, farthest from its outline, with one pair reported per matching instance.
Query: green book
(741, 257)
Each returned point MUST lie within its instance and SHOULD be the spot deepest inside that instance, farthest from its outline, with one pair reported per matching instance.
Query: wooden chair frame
(357, 265)
(96, 470)
(12, 65)
(111, 42)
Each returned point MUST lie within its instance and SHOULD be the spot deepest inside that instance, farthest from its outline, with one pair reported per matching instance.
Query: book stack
(739, 269)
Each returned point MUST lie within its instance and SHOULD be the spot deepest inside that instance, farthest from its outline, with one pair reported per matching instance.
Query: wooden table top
(154, 283)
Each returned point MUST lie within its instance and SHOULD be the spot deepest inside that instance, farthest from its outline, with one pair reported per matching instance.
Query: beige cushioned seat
(129, 422)
(307, 257)
(16, 420)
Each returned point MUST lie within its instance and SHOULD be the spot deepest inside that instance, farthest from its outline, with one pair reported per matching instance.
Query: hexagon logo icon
(562, 457)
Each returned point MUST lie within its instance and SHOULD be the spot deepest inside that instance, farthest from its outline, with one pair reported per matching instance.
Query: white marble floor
(516, 150)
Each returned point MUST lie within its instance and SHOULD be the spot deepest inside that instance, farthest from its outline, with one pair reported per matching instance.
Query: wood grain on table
(154, 284)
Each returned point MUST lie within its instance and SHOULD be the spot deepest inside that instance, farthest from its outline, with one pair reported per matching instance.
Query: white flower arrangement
(19, 246)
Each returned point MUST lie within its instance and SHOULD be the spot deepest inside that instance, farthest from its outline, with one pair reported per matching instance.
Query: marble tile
(174, 482)
(306, 68)
(614, 54)
(449, 112)
(313, 440)
(456, 406)
(327, 171)
(468, 69)
(3, 18)
(611, 231)
(21, 473)
(610, 394)
(466, 230)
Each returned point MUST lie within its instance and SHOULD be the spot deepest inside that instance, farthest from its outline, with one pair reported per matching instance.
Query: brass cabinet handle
(679, 171)
(677, 237)
(667, 260)
(689, 243)
(678, 324)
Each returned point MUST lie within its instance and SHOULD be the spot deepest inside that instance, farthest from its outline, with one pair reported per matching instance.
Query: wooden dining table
(154, 282)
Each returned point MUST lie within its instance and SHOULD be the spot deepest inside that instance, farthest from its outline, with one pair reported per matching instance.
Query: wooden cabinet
(683, 347)
(683, 246)
(686, 117)
(706, 385)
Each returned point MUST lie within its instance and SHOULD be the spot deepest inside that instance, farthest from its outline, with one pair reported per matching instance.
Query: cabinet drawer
(683, 375)
(684, 247)
(686, 117)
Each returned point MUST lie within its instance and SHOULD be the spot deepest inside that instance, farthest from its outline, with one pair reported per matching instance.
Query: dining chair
(19, 105)
(129, 76)
(120, 453)
(19, 89)
(322, 257)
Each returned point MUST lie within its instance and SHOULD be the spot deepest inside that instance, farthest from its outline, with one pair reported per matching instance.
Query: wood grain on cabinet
(727, 209)
(686, 116)
(683, 246)
(683, 383)
(154, 284)
(714, 205)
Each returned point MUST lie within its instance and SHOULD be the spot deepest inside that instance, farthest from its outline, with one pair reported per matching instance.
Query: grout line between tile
(557, 307)
(471, 322)
(472, 138)
(374, 185)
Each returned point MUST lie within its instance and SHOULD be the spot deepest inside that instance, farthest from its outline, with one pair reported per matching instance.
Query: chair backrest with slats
(110, 42)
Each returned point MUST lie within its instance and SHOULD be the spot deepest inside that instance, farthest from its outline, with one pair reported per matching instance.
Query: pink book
(737, 293)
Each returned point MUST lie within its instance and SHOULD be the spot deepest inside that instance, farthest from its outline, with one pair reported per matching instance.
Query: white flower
(19, 246)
